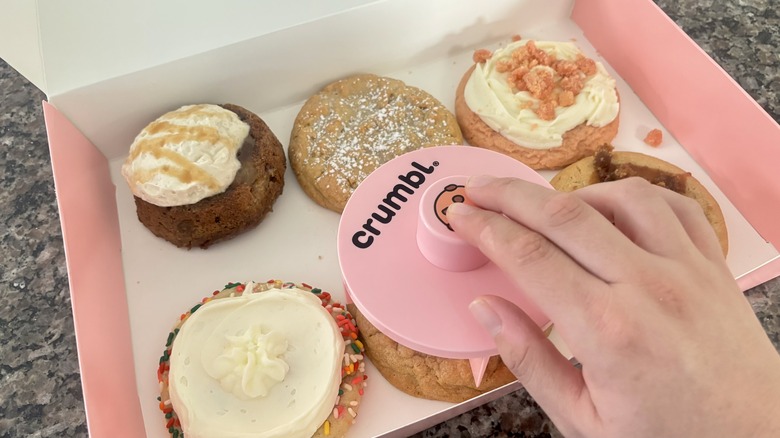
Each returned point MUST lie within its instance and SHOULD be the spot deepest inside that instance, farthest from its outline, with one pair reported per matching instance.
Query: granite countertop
(40, 392)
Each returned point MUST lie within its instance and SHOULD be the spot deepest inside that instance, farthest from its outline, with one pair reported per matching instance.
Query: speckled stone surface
(40, 393)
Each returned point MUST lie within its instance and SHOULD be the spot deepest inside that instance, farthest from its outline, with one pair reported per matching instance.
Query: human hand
(635, 282)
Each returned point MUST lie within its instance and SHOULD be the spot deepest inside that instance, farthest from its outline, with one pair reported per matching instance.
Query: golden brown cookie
(608, 165)
(541, 102)
(353, 381)
(356, 124)
(425, 376)
(243, 205)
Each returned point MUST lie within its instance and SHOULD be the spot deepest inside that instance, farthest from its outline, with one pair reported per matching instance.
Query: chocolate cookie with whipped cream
(204, 173)
(543, 103)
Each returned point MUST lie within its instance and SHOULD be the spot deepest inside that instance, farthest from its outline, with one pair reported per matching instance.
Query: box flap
(108, 112)
(123, 37)
(20, 42)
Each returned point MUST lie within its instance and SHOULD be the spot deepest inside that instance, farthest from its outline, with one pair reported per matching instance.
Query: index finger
(575, 227)
(561, 288)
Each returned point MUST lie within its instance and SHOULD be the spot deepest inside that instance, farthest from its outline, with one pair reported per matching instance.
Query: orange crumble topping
(654, 138)
(555, 86)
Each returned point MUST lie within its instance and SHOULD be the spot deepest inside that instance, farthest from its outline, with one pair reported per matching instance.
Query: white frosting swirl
(185, 155)
(294, 407)
(490, 96)
(250, 363)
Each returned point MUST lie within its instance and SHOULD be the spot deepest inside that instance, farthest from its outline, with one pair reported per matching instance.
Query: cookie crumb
(586, 65)
(503, 66)
(566, 98)
(481, 55)
(565, 68)
(546, 110)
(574, 83)
(540, 83)
(654, 138)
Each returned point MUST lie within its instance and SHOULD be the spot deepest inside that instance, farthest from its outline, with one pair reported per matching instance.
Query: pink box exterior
(635, 37)
(711, 116)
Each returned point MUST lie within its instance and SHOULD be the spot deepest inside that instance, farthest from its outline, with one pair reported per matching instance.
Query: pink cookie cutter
(407, 271)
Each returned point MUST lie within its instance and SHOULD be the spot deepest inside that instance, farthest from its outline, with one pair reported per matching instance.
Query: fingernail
(480, 180)
(460, 209)
(486, 316)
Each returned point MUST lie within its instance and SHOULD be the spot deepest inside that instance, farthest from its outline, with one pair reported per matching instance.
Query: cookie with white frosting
(264, 360)
(204, 173)
(541, 102)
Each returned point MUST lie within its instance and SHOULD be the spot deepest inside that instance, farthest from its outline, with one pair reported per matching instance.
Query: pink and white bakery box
(128, 286)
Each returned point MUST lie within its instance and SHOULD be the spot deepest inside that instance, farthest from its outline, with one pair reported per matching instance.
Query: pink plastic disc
(406, 271)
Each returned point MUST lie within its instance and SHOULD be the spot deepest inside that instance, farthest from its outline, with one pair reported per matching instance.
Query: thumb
(555, 384)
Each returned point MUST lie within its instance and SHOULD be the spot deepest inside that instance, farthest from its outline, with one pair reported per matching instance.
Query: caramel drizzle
(184, 170)
(198, 110)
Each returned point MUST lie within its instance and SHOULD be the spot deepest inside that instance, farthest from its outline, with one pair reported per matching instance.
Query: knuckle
(491, 234)
(636, 183)
(611, 327)
(562, 209)
(634, 188)
(530, 249)
(667, 291)
(513, 245)
(509, 188)
(616, 332)
(690, 205)
(517, 362)
(506, 183)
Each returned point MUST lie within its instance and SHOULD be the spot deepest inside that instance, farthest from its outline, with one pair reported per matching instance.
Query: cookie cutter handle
(435, 237)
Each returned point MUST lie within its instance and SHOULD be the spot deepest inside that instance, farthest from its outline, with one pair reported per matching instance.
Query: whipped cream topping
(232, 341)
(491, 97)
(185, 155)
(250, 364)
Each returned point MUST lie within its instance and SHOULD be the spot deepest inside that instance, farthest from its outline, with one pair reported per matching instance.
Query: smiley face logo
(451, 194)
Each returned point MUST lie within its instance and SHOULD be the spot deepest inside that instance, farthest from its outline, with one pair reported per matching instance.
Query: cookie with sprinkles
(267, 359)
(356, 124)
